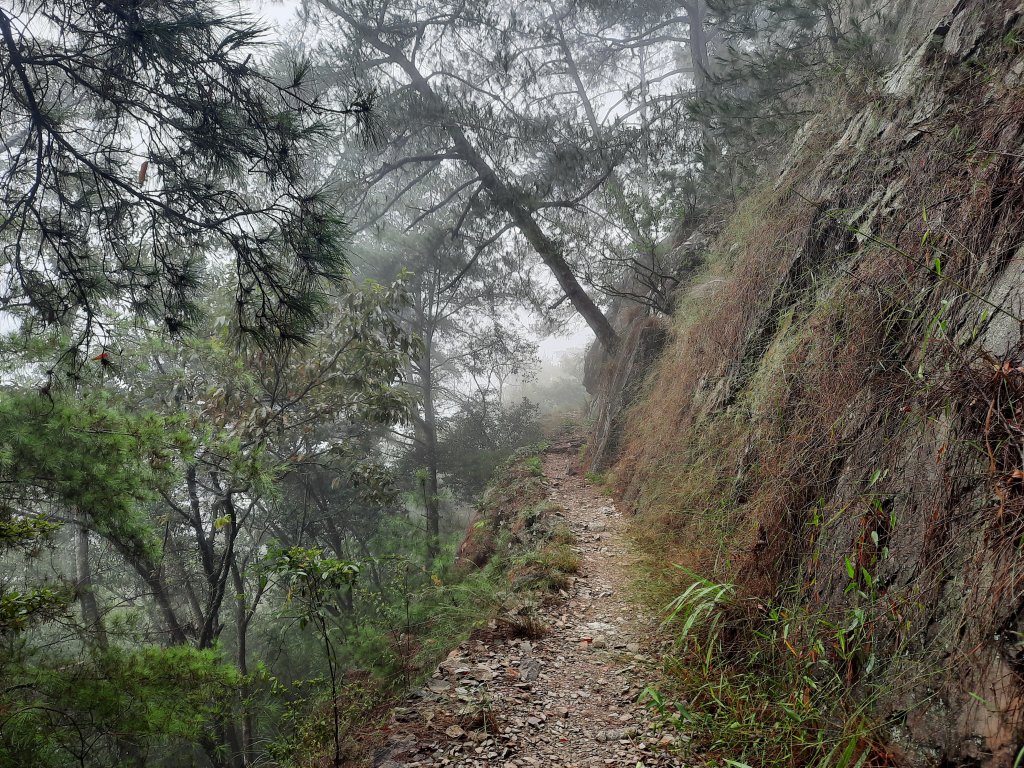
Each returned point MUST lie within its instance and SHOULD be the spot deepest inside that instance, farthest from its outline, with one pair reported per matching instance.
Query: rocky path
(565, 700)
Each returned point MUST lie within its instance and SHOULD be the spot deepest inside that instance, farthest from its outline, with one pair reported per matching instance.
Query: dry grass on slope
(835, 431)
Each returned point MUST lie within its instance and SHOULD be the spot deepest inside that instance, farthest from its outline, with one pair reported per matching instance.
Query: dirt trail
(566, 700)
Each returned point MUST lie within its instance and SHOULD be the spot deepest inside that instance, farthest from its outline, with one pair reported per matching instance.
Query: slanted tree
(475, 123)
(569, 120)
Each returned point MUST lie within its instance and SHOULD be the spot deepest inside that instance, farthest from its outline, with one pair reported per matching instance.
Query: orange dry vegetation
(806, 352)
(677, 461)
(838, 429)
(839, 426)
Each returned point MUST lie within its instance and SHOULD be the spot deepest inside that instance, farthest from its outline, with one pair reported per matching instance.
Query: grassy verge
(515, 555)
(751, 684)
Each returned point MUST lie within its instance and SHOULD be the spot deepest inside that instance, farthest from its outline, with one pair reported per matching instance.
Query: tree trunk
(93, 622)
(697, 10)
(177, 565)
(229, 738)
(832, 29)
(551, 254)
(429, 485)
(163, 601)
(149, 572)
(217, 579)
(84, 585)
(241, 659)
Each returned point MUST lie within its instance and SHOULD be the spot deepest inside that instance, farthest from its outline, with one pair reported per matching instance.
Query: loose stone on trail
(565, 700)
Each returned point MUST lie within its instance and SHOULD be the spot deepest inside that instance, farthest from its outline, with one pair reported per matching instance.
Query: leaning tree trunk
(502, 197)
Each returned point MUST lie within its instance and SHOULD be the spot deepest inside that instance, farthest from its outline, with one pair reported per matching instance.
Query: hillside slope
(836, 426)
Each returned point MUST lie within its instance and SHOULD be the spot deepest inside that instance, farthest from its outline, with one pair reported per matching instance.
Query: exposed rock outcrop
(619, 382)
(837, 427)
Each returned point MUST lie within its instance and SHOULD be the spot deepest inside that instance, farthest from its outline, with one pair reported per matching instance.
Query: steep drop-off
(836, 425)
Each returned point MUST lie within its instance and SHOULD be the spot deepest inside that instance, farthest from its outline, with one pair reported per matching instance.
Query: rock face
(620, 382)
(846, 410)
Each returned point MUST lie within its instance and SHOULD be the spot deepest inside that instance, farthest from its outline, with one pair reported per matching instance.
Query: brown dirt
(566, 700)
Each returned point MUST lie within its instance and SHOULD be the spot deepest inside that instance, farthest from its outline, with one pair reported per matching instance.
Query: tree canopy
(143, 144)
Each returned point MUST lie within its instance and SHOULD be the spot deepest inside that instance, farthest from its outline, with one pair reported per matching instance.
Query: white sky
(279, 12)
(553, 347)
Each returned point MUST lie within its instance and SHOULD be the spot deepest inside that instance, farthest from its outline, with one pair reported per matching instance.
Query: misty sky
(576, 335)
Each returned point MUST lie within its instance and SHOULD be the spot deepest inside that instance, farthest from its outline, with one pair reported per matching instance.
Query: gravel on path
(566, 700)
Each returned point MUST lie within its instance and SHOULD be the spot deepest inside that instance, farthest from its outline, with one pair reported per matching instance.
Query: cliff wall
(836, 423)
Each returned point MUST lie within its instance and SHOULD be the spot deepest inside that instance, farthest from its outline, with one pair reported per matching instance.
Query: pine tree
(772, 56)
(141, 143)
